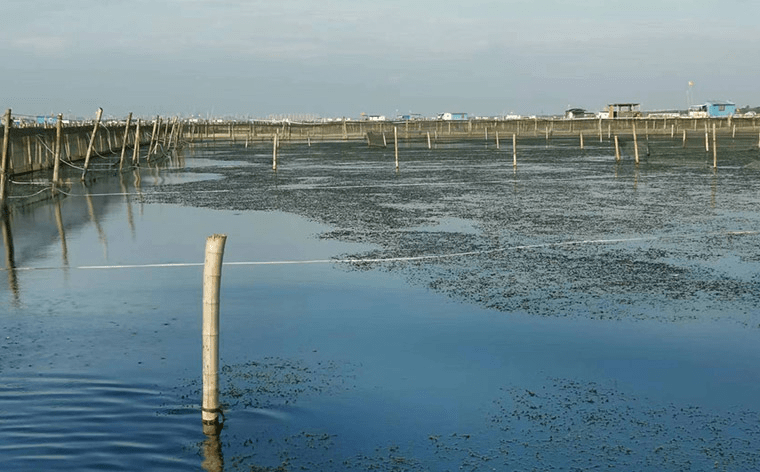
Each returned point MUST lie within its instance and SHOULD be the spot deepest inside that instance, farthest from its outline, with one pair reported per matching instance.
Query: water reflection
(38, 225)
(10, 264)
(95, 222)
(213, 460)
(61, 232)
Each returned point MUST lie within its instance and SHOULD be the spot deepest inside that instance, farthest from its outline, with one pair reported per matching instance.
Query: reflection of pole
(92, 142)
(61, 232)
(4, 163)
(130, 218)
(212, 275)
(91, 211)
(10, 263)
(213, 460)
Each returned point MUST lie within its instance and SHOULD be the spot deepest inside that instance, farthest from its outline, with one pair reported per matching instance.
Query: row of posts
(170, 138)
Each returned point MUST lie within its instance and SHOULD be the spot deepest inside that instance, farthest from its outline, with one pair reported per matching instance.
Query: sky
(341, 58)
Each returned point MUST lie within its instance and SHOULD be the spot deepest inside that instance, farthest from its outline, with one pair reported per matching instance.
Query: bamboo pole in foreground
(212, 276)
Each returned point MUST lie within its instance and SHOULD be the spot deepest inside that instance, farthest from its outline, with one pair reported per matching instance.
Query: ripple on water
(67, 422)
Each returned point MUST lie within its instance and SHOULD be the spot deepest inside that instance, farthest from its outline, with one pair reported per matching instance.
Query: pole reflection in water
(61, 232)
(10, 263)
(213, 460)
(130, 216)
(96, 222)
(713, 186)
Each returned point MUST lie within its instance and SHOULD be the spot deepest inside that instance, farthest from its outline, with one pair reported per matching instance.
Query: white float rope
(385, 259)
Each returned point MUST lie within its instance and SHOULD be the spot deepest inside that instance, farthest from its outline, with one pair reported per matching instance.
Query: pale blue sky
(341, 58)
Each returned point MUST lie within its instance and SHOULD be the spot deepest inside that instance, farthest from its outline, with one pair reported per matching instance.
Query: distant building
(713, 110)
(452, 116)
(624, 110)
(571, 113)
(410, 117)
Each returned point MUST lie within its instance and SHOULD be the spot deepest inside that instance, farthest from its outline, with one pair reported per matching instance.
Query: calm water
(330, 368)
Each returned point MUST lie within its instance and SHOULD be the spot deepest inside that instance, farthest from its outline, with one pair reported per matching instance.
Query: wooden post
(617, 149)
(274, 152)
(733, 133)
(92, 142)
(136, 152)
(4, 163)
(395, 143)
(581, 139)
(600, 129)
(153, 138)
(635, 144)
(212, 276)
(126, 138)
(715, 149)
(514, 150)
(174, 130)
(497, 140)
(684, 137)
(707, 140)
(672, 130)
(428, 137)
(58, 146)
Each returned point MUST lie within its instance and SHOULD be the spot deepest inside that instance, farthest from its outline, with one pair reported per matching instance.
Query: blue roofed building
(714, 109)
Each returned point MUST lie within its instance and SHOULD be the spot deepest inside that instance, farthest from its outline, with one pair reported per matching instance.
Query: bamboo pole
(153, 138)
(581, 139)
(124, 143)
(617, 149)
(136, 151)
(497, 140)
(428, 139)
(684, 137)
(635, 144)
(58, 146)
(212, 275)
(274, 152)
(92, 142)
(707, 140)
(600, 129)
(395, 143)
(715, 148)
(4, 163)
(514, 150)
